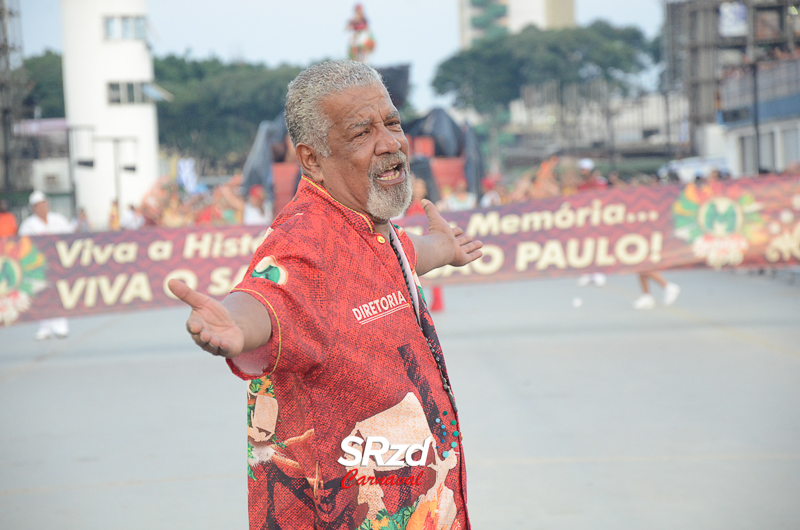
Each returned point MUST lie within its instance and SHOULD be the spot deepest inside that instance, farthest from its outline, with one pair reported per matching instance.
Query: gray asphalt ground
(598, 417)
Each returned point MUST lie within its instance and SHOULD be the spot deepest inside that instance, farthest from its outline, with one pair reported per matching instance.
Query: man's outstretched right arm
(236, 325)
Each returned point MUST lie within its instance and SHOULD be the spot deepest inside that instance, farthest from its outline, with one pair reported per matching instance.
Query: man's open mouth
(394, 174)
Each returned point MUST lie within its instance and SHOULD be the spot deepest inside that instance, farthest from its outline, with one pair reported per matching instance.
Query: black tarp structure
(421, 168)
(268, 147)
(447, 136)
(450, 140)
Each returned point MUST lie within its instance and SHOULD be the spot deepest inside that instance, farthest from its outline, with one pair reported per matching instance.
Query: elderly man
(352, 422)
(44, 222)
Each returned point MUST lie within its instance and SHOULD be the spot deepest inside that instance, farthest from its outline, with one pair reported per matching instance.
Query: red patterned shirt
(349, 422)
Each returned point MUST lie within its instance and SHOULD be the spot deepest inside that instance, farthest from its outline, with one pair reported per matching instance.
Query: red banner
(91, 273)
(747, 222)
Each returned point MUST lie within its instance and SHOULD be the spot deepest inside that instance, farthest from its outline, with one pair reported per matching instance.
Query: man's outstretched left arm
(443, 245)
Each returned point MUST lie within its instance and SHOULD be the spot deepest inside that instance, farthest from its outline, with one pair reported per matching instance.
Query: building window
(141, 28)
(791, 149)
(747, 156)
(133, 93)
(130, 93)
(112, 27)
(127, 28)
(114, 95)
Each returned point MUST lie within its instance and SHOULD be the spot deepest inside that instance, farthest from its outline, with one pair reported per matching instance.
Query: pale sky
(421, 32)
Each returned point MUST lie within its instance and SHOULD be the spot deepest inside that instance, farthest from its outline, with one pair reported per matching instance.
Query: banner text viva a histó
(124, 288)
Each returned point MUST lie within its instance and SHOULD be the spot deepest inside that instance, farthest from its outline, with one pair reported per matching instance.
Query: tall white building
(484, 18)
(108, 92)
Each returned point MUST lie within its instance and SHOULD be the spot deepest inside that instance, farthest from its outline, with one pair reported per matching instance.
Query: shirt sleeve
(285, 276)
(27, 228)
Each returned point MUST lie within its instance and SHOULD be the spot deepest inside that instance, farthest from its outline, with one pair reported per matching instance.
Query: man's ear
(309, 161)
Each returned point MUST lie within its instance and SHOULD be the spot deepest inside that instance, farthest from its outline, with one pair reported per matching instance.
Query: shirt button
(381, 239)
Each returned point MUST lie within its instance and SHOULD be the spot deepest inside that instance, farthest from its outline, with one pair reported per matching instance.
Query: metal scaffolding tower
(10, 65)
(711, 44)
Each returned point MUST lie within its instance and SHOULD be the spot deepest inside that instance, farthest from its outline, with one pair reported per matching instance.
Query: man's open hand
(464, 250)
(210, 324)
(444, 245)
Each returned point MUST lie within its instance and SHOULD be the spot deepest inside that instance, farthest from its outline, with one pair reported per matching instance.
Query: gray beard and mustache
(383, 204)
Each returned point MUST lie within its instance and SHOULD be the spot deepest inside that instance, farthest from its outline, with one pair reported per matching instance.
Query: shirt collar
(358, 220)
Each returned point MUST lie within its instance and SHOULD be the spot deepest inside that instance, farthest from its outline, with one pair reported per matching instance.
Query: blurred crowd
(555, 177)
(168, 204)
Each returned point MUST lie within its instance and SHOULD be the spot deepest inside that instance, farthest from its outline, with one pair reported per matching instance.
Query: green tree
(217, 107)
(486, 77)
(44, 87)
(491, 73)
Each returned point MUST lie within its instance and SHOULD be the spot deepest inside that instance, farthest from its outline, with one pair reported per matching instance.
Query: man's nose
(387, 142)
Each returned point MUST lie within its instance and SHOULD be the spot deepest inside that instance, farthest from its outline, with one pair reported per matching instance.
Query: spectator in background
(419, 191)
(793, 168)
(590, 179)
(229, 203)
(671, 290)
(174, 215)
(646, 300)
(521, 190)
(8, 221)
(544, 184)
(255, 213)
(113, 216)
(132, 219)
(490, 195)
(44, 222)
(460, 199)
(81, 222)
(615, 181)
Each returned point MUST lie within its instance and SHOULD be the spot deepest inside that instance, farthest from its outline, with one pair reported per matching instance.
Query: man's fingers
(211, 343)
(197, 340)
(434, 217)
(463, 239)
(186, 293)
(472, 247)
(194, 324)
(457, 231)
(472, 256)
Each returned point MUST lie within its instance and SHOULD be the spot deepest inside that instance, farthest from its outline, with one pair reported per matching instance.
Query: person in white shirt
(461, 199)
(131, 219)
(256, 212)
(490, 195)
(45, 222)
